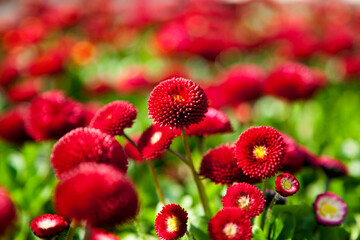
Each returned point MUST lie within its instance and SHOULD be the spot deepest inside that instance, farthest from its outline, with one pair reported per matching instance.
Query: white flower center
(230, 230)
(244, 202)
(155, 137)
(47, 223)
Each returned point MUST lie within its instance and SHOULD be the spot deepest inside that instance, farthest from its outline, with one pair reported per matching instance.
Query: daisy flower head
(333, 167)
(286, 184)
(260, 151)
(330, 209)
(48, 225)
(171, 222)
(219, 165)
(177, 103)
(114, 117)
(245, 196)
(230, 223)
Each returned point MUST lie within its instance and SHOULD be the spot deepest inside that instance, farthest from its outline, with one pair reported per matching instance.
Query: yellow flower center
(230, 230)
(173, 224)
(109, 116)
(155, 137)
(286, 184)
(260, 152)
(327, 210)
(178, 98)
(244, 202)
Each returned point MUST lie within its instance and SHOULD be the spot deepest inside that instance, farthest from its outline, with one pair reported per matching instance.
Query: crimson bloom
(333, 167)
(260, 151)
(286, 184)
(132, 152)
(87, 145)
(97, 193)
(99, 234)
(114, 117)
(177, 103)
(219, 165)
(230, 223)
(51, 115)
(214, 122)
(171, 222)
(7, 211)
(245, 196)
(293, 81)
(295, 157)
(48, 225)
(154, 140)
(330, 209)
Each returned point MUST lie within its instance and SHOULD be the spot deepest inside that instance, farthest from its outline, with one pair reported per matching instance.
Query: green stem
(188, 235)
(268, 215)
(179, 155)
(201, 142)
(140, 231)
(152, 171)
(327, 183)
(71, 231)
(198, 183)
(87, 234)
(258, 219)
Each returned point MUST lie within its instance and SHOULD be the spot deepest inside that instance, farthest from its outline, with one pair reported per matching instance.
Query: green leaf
(258, 234)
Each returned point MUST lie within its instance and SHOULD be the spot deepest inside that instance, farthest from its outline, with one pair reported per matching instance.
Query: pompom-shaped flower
(154, 140)
(7, 211)
(286, 184)
(333, 168)
(97, 193)
(292, 81)
(230, 223)
(260, 151)
(330, 209)
(219, 165)
(87, 145)
(214, 122)
(245, 196)
(295, 157)
(12, 128)
(171, 222)
(99, 234)
(51, 115)
(48, 225)
(114, 117)
(177, 103)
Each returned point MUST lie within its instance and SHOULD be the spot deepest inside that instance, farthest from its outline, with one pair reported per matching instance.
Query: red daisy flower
(114, 117)
(310, 158)
(99, 234)
(12, 128)
(230, 223)
(154, 140)
(219, 165)
(294, 159)
(7, 211)
(330, 209)
(214, 122)
(177, 103)
(87, 145)
(260, 151)
(51, 115)
(24, 90)
(132, 152)
(97, 193)
(293, 81)
(171, 222)
(286, 184)
(48, 225)
(245, 196)
(333, 167)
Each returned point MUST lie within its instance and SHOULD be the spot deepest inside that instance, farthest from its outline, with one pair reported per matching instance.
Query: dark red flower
(292, 81)
(114, 117)
(337, 38)
(260, 151)
(51, 115)
(99, 234)
(310, 158)
(294, 159)
(245, 196)
(7, 211)
(132, 152)
(154, 140)
(177, 103)
(48, 225)
(214, 122)
(286, 184)
(171, 222)
(97, 193)
(219, 165)
(12, 128)
(333, 167)
(24, 91)
(9, 70)
(87, 145)
(231, 223)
